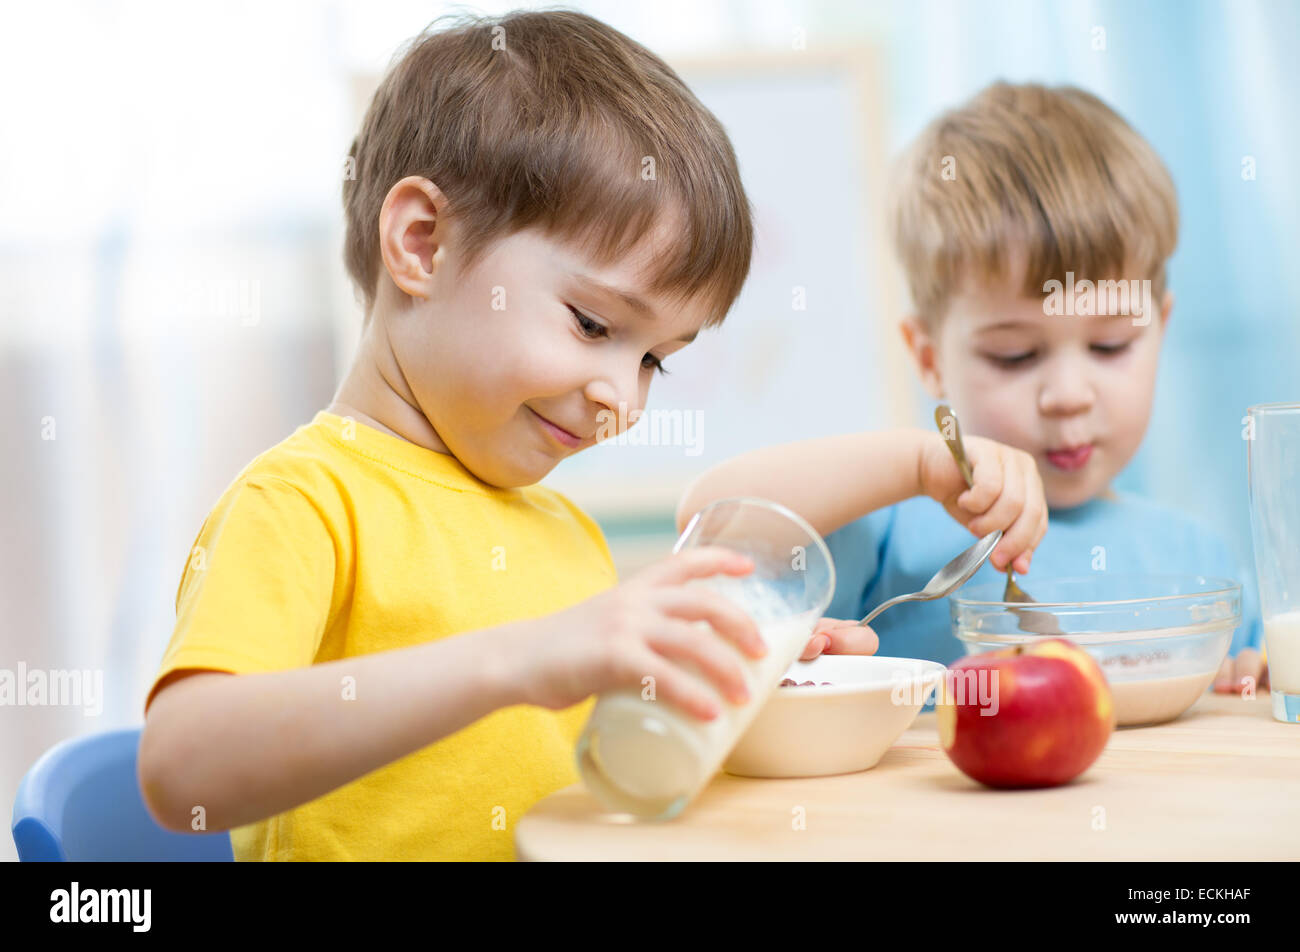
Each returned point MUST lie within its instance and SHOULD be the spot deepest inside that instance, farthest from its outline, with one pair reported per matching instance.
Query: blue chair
(81, 801)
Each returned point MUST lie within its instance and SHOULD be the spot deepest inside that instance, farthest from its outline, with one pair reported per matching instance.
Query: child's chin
(1066, 492)
(513, 473)
(527, 476)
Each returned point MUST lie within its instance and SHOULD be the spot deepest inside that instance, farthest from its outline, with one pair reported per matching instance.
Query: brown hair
(553, 119)
(1054, 173)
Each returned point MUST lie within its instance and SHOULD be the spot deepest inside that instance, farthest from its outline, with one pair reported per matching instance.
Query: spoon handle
(896, 600)
(1038, 622)
(950, 430)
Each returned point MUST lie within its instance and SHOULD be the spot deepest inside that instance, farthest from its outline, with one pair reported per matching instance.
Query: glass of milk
(649, 758)
(1273, 453)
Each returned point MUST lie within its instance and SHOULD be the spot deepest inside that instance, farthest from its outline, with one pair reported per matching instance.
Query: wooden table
(1222, 782)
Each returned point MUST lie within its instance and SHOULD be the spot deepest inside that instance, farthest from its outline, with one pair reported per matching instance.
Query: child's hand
(837, 636)
(1233, 673)
(644, 628)
(1007, 494)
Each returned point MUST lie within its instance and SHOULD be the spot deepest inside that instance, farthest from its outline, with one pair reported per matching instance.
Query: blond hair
(1051, 177)
(553, 119)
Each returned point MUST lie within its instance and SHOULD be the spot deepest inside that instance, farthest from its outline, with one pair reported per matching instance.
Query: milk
(650, 758)
(1156, 700)
(1282, 639)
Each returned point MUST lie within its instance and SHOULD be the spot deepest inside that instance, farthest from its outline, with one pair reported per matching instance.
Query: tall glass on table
(649, 758)
(1273, 453)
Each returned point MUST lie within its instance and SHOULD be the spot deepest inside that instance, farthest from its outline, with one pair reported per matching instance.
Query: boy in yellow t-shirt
(414, 627)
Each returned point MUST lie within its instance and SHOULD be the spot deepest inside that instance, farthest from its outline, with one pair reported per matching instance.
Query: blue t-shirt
(897, 549)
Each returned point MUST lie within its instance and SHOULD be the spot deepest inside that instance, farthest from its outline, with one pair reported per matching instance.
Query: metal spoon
(949, 578)
(1040, 623)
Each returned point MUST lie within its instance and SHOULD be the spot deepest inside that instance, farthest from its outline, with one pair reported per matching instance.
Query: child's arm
(249, 746)
(831, 481)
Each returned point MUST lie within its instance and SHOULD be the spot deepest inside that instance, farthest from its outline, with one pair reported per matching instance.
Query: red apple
(1035, 715)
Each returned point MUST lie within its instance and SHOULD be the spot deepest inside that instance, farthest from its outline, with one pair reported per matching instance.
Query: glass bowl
(1159, 639)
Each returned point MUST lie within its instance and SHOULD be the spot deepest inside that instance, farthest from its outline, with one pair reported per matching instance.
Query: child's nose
(1065, 389)
(619, 405)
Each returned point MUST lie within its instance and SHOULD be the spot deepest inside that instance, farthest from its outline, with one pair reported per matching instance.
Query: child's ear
(412, 231)
(1166, 307)
(920, 343)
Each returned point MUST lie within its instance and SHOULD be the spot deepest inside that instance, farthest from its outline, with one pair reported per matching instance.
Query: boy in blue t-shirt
(1033, 225)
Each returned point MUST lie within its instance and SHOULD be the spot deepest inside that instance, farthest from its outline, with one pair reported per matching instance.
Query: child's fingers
(851, 639)
(816, 645)
(1035, 493)
(1223, 683)
(1003, 515)
(840, 637)
(1248, 664)
(824, 636)
(1019, 541)
(674, 685)
(682, 641)
(1233, 673)
(728, 619)
(821, 638)
(828, 623)
(699, 562)
(987, 477)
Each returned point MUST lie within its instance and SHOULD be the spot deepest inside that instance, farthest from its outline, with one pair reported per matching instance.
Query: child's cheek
(999, 406)
(1127, 394)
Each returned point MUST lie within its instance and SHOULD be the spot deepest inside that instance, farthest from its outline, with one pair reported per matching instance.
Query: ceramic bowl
(846, 727)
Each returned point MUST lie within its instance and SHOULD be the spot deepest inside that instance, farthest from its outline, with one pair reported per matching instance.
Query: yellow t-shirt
(342, 541)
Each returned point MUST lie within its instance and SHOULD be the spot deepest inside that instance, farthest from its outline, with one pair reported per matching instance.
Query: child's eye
(1011, 360)
(1110, 349)
(651, 362)
(588, 327)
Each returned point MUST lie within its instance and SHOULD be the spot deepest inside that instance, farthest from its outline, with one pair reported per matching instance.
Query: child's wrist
(503, 679)
(930, 451)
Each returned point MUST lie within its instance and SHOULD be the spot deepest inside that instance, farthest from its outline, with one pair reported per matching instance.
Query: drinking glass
(1273, 457)
(647, 757)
